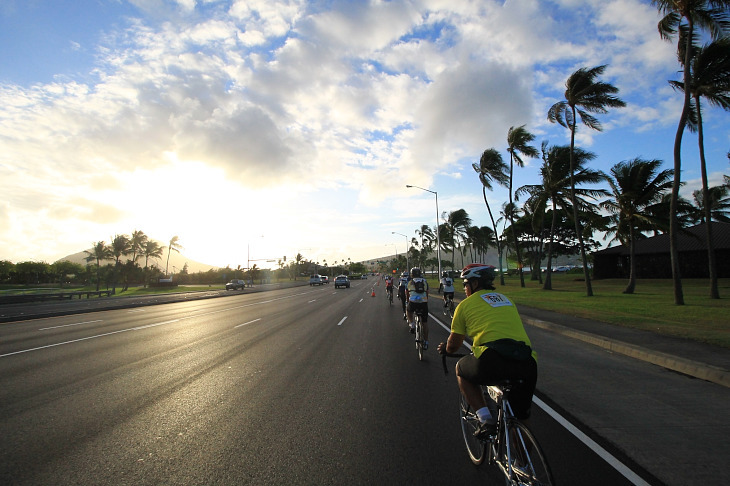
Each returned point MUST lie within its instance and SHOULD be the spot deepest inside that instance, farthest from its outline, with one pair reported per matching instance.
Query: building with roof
(653, 260)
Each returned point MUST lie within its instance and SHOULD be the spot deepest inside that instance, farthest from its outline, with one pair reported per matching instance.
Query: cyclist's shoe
(425, 345)
(412, 328)
(485, 431)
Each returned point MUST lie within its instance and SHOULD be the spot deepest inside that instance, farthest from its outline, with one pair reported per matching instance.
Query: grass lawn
(651, 307)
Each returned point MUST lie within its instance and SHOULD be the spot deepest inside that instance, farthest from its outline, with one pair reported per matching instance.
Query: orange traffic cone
(373, 293)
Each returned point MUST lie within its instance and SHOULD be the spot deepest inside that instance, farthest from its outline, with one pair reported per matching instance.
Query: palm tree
(137, 242)
(637, 185)
(174, 245)
(718, 206)
(120, 246)
(555, 189)
(491, 168)
(518, 144)
(583, 95)
(458, 221)
(681, 17)
(98, 252)
(427, 236)
(150, 249)
(709, 79)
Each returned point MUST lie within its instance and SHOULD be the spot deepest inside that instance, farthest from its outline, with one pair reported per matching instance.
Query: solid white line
(343, 320)
(590, 443)
(69, 325)
(247, 323)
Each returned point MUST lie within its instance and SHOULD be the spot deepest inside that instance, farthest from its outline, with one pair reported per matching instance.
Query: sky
(258, 129)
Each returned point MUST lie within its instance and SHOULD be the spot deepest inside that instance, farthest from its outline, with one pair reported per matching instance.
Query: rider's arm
(453, 344)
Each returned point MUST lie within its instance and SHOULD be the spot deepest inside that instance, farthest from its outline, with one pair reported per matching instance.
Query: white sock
(412, 324)
(484, 415)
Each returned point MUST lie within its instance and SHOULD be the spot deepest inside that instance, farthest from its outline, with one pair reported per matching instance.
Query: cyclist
(417, 294)
(389, 286)
(447, 283)
(402, 284)
(500, 347)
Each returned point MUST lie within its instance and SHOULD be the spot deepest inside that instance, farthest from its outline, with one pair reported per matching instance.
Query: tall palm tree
(637, 185)
(137, 243)
(427, 236)
(555, 189)
(458, 221)
(518, 145)
(120, 246)
(98, 252)
(150, 249)
(173, 245)
(681, 17)
(491, 168)
(709, 79)
(583, 95)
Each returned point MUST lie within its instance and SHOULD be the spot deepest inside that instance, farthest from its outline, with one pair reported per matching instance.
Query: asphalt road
(295, 386)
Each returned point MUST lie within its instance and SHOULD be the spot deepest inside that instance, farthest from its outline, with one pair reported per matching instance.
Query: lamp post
(438, 237)
(408, 248)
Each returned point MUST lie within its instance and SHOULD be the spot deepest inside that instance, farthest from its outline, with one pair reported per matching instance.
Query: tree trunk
(714, 292)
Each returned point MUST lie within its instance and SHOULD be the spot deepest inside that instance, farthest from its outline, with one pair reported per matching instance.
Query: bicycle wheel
(419, 338)
(469, 423)
(451, 309)
(528, 464)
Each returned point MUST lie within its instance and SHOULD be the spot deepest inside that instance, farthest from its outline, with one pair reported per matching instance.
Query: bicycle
(419, 335)
(449, 307)
(513, 450)
(389, 291)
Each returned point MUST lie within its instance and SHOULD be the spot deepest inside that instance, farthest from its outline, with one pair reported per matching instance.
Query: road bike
(513, 449)
(449, 307)
(389, 291)
(419, 334)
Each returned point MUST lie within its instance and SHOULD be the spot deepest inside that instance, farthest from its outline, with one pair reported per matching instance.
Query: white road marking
(69, 325)
(247, 323)
(343, 320)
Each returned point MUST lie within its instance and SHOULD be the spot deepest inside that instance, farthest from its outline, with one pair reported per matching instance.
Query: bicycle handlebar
(449, 355)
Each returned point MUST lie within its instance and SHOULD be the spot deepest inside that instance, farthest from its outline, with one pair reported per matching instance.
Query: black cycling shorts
(448, 294)
(491, 368)
(421, 307)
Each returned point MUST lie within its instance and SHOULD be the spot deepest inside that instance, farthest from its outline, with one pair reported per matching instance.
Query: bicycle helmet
(404, 274)
(415, 272)
(445, 274)
(485, 273)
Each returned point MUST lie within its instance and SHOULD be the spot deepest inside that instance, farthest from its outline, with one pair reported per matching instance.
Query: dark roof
(689, 239)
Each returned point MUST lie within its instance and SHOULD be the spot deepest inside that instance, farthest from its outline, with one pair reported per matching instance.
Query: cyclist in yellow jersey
(500, 346)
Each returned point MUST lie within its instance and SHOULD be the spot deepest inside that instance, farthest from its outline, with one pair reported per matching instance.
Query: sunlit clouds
(222, 121)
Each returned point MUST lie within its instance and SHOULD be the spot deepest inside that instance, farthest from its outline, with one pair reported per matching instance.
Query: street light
(438, 238)
(408, 248)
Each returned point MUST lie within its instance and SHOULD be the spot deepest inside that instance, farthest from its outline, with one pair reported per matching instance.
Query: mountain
(177, 262)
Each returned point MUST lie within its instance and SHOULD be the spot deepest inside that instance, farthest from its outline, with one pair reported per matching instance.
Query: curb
(696, 369)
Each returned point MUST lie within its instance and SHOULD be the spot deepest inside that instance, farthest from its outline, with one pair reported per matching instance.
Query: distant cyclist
(501, 349)
(389, 286)
(447, 283)
(402, 284)
(417, 293)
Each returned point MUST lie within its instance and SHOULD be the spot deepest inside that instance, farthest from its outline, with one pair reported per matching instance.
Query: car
(342, 281)
(236, 284)
(363, 277)
(315, 280)
(325, 279)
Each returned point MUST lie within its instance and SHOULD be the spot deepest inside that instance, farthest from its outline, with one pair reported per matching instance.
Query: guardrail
(41, 297)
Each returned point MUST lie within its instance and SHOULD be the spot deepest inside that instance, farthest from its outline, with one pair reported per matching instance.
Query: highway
(293, 386)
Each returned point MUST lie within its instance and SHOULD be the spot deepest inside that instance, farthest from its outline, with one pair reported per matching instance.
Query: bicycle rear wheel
(451, 309)
(419, 338)
(529, 465)
(469, 423)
